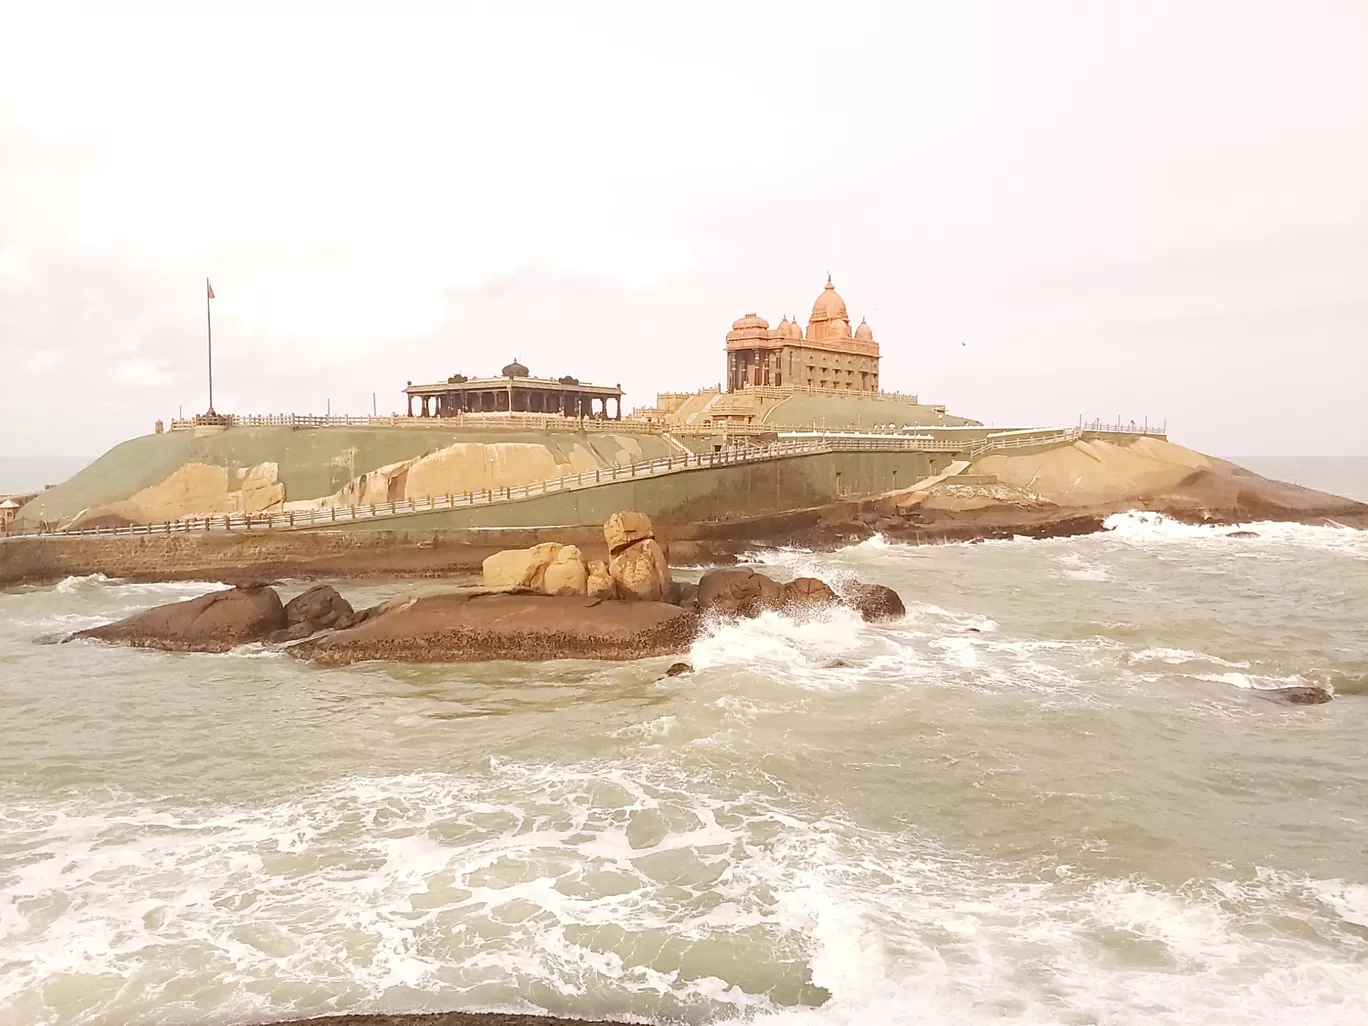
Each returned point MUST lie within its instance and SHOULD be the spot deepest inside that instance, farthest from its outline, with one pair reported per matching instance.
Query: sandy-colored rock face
(198, 489)
(637, 563)
(642, 572)
(466, 467)
(600, 583)
(622, 529)
(566, 574)
(550, 568)
(1095, 471)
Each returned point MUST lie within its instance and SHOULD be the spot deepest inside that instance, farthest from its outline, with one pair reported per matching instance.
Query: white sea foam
(71, 585)
(801, 649)
(1182, 656)
(582, 888)
(1078, 569)
(1251, 681)
(1144, 528)
(1348, 900)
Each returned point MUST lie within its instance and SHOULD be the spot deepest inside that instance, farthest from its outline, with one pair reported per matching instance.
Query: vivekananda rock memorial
(799, 423)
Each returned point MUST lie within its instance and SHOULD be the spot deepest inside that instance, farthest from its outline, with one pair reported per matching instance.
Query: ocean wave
(814, 650)
(72, 585)
(1078, 569)
(97, 584)
(1145, 528)
(1182, 656)
(1253, 682)
(594, 890)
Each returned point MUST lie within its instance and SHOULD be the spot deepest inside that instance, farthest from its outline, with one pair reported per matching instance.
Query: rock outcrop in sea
(543, 602)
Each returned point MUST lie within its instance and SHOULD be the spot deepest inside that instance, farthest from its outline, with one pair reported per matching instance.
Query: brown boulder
(808, 591)
(738, 593)
(686, 596)
(476, 625)
(320, 607)
(873, 601)
(211, 623)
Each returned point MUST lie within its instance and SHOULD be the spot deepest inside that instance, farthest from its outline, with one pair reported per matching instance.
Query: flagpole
(209, 324)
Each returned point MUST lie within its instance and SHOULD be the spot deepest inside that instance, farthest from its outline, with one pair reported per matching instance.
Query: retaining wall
(682, 504)
(701, 494)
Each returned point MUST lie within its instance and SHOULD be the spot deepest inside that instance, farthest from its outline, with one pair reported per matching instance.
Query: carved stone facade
(828, 356)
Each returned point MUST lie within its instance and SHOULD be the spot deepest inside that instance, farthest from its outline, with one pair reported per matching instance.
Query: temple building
(829, 356)
(516, 391)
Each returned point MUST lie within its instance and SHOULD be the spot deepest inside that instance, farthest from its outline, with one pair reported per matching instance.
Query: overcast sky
(1044, 209)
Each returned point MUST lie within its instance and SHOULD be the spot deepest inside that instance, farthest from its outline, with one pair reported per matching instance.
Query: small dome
(864, 333)
(829, 306)
(749, 321)
(795, 329)
(514, 370)
(781, 330)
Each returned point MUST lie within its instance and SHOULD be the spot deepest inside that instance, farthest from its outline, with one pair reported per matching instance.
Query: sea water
(1054, 793)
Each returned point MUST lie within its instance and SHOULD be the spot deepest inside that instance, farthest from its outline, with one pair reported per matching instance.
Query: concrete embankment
(706, 514)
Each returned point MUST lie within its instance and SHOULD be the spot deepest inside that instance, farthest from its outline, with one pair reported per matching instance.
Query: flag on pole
(209, 287)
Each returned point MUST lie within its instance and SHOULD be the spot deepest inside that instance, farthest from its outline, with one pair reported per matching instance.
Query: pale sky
(1044, 209)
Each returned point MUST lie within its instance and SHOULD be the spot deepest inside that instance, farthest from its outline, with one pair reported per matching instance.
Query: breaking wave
(1155, 528)
(597, 890)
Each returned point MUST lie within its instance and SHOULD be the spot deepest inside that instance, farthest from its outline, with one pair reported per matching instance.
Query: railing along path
(307, 518)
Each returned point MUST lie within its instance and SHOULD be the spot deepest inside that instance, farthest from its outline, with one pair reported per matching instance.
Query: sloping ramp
(917, 492)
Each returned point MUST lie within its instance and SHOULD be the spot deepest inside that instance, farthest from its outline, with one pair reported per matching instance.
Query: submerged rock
(678, 668)
(1299, 695)
(873, 601)
(211, 623)
(1242, 534)
(747, 593)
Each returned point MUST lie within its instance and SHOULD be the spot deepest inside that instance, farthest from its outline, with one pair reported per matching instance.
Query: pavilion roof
(539, 384)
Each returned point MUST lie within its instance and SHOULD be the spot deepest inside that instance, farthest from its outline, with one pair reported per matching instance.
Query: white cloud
(1153, 208)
